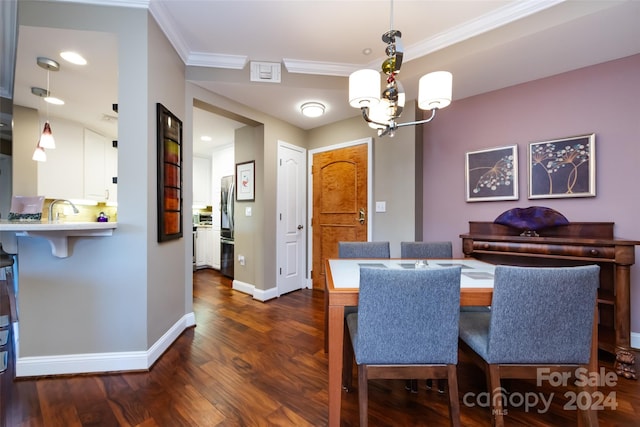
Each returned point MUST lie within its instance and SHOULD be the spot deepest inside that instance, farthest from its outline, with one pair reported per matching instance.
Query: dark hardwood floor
(249, 363)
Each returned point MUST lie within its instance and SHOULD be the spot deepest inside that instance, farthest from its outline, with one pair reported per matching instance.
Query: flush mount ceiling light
(381, 110)
(312, 109)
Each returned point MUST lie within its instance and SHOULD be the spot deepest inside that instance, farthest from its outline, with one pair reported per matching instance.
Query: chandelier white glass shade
(381, 108)
(364, 88)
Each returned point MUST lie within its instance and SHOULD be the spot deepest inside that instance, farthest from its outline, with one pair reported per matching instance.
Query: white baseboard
(258, 294)
(265, 295)
(245, 288)
(102, 362)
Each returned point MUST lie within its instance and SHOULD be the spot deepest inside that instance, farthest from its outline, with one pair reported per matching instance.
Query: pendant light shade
(46, 139)
(364, 88)
(39, 155)
(434, 90)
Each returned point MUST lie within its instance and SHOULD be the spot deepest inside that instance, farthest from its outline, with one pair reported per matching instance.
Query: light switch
(247, 211)
(381, 206)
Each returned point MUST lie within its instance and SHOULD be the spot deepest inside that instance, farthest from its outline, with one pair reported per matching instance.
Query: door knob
(300, 227)
(361, 216)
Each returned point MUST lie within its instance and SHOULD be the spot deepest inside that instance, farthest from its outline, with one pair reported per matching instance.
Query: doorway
(340, 194)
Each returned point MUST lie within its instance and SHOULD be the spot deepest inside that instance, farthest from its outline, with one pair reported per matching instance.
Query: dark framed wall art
(563, 167)
(169, 175)
(492, 174)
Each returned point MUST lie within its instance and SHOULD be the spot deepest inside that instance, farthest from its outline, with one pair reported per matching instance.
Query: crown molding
(217, 60)
(318, 67)
(490, 21)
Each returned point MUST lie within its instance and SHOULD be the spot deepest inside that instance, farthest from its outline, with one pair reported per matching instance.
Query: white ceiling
(487, 45)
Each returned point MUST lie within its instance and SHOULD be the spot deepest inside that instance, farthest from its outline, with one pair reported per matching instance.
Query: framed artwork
(245, 181)
(492, 174)
(563, 168)
(169, 175)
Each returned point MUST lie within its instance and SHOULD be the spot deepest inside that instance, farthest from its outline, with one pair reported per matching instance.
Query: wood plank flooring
(249, 363)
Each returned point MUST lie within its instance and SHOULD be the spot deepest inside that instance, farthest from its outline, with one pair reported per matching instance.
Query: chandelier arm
(419, 122)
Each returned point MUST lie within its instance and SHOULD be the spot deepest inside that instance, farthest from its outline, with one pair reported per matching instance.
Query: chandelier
(381, 108)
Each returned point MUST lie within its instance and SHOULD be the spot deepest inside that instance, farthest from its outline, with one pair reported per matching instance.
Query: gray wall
(119, 293)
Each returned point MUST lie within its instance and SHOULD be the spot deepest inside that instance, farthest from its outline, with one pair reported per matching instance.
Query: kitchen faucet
(75, 210)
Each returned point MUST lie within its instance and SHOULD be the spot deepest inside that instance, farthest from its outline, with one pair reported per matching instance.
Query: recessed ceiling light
(205, 138)
(73, 57)
(312, 109)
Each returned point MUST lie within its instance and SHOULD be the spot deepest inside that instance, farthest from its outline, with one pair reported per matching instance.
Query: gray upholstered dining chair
(406, 327)
(363, 250)
(541, 317)
(424, 250)
(360, 250)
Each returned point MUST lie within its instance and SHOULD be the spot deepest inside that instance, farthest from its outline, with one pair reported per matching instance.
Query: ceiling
(487, 45)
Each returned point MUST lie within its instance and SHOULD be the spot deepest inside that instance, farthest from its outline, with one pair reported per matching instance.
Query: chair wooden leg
(497, 394)
(363, 395)
(411, 385)
(347, 361)
(587, 417)
(454, 404)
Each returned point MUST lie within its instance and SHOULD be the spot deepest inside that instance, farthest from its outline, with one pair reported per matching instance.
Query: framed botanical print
(492, 174)
(563, 167)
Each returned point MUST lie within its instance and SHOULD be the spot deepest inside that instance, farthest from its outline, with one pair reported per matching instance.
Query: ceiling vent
(265, 72)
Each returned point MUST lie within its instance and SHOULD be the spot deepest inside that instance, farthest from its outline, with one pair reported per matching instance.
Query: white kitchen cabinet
(201, 181)
(100, 167)
(204, 247)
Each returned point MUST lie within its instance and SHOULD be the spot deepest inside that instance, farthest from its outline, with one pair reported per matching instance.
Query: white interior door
(292, 230)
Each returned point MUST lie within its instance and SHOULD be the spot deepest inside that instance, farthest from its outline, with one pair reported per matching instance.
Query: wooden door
(339, 203)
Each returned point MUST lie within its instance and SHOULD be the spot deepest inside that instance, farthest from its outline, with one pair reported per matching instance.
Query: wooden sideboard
(578, 243)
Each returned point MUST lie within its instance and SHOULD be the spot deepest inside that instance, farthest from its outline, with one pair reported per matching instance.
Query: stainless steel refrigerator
(227, 193)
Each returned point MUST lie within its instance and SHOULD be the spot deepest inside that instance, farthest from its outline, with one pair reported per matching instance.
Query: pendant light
(46, 140)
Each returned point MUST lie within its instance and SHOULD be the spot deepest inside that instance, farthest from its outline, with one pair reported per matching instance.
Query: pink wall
(602, 99)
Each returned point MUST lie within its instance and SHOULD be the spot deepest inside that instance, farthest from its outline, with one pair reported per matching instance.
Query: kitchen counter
(55, 232)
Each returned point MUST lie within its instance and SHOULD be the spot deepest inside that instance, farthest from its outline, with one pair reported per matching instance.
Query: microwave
(204, 218)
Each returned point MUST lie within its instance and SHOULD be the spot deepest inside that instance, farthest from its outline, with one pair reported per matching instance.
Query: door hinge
(311, 274)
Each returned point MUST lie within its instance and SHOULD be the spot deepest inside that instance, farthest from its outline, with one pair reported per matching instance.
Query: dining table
(342, 281)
